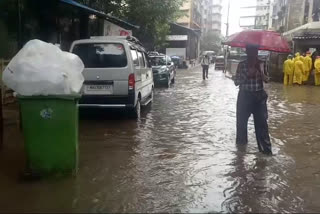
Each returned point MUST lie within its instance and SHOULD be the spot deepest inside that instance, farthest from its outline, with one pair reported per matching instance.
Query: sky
(234, 16)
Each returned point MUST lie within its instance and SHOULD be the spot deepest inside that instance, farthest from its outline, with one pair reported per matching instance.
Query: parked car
(163, 69)
(117, 73)
(177, 61)
(219, 64)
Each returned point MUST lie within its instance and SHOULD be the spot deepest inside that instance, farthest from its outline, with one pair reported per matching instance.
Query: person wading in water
(252, 99)
(205, 62)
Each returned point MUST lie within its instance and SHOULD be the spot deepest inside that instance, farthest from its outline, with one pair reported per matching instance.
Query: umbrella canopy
(175, 57)
(266, 40)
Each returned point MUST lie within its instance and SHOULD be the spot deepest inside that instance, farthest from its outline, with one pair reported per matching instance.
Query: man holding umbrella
(252, 99)
(250, 77)
(205, 62)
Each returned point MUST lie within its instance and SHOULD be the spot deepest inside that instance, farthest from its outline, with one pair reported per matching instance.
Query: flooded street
(181, 157)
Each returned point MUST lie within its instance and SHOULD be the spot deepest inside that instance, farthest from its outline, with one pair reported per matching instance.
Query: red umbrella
(266, 40)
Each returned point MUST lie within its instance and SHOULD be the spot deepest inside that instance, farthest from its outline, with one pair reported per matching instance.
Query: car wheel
(173, 80)
(136, 111)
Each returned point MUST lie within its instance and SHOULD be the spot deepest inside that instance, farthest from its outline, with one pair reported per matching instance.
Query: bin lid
(59, 97)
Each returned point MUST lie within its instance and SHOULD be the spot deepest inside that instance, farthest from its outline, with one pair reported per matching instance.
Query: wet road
(181, 157)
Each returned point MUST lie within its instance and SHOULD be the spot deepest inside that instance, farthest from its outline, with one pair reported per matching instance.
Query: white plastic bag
(41, 68)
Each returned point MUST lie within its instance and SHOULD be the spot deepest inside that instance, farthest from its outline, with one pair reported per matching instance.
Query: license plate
(98, 89)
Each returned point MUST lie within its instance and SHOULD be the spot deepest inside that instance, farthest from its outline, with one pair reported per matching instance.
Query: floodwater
(181, 157)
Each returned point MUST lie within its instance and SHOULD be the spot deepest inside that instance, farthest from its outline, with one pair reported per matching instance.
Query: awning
(307, 36)
(310, 28)
(100, 14)
(194, 31)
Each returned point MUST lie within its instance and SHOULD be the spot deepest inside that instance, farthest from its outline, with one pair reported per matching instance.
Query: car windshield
(220, 60)
(101, 55)
(156, 61)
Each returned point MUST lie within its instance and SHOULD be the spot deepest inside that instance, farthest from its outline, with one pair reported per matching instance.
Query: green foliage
(38, 17)
(113, 7)
(211, 41)
(153, 16)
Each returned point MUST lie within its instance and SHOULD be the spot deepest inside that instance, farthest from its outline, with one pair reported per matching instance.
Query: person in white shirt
(205, 62)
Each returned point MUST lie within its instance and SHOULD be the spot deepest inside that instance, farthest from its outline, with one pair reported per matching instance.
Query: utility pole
(227, 34)
(227, 30)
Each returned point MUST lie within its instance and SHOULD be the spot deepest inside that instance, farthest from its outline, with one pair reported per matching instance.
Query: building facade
(263, 11)
(216, 16)
(192, 17)
(256, 16)
(204, 15)
(290, 14)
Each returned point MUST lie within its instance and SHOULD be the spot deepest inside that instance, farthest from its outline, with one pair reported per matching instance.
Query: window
(101, 55)
(141, 60)
(158, 60)
(146, 60)
(168, 60)
(135, 58)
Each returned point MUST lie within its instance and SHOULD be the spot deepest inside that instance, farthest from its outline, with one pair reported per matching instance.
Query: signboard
(111, 29)
(181, 52)
(177, 38)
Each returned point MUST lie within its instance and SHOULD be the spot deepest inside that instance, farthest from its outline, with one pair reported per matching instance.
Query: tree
(211, 41)
(113, 7)
(153, 16)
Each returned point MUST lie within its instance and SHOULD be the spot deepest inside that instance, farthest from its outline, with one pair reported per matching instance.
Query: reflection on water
(181, 157)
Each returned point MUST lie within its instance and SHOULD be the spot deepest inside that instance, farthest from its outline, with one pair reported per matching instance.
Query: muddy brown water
(181, 157)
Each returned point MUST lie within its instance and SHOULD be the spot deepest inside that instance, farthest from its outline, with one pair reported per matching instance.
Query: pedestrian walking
(205, 62)
(252, 99)
(194, 62)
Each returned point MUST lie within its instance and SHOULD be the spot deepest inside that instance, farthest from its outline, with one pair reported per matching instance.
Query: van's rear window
(101, 55)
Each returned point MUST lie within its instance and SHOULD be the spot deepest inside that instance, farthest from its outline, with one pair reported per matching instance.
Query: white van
(117, 73)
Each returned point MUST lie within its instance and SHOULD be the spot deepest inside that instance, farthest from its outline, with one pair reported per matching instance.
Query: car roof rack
(133, 40)
(153, 53)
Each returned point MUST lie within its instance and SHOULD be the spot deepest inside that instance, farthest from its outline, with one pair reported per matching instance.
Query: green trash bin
(50, 129)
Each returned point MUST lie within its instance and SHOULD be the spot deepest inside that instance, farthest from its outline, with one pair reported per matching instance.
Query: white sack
(41, 68)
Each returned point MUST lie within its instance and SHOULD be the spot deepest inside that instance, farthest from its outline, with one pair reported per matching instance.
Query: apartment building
(192, 14)
(256, 16)
(290, 14)
(204, 15)
(263, 17)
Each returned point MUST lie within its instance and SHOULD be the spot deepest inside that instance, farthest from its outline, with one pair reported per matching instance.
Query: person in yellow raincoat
(317, 71)
(297, 57)
(298, 70)
(307, 66)
(288, 68)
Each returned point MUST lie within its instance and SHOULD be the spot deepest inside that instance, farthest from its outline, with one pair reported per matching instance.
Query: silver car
(117, 73)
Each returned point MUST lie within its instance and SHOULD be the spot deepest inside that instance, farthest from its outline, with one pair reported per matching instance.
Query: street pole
(227, 34)
(228, 14)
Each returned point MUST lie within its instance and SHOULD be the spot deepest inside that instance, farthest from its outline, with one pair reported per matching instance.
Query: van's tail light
(132, 82)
